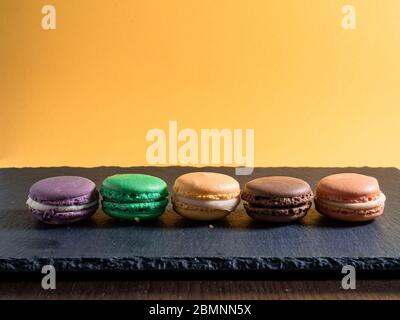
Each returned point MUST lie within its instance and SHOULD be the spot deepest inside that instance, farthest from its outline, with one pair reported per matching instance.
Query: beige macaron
(205, 195)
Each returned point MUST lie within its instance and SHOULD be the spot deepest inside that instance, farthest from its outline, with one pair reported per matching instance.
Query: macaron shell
(135, 184)
(279, 215)
(274, 219)
(135, 210)
(206, 185)
(117, 196)
(277, 187)
(200, 214)
(62, 218)
(63, 189)
(149, 214)
(135, 207)
(277, 202)
(349, 214)
(348, 187)
(194, 212)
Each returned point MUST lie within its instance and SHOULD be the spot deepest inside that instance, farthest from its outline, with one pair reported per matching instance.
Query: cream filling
(43, 207)
(227, 205)
(380, 201)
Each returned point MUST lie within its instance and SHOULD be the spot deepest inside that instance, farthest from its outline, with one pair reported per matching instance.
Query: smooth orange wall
(86, 93)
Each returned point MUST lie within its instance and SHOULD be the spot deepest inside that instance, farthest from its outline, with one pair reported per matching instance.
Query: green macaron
(134, 196)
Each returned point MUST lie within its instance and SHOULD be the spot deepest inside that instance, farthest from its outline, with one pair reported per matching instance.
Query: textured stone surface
(172, 243)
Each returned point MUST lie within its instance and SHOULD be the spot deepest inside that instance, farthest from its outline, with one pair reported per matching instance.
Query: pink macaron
(350, 197)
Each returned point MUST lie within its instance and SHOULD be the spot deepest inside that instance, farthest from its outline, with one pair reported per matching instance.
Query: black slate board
(173, 243)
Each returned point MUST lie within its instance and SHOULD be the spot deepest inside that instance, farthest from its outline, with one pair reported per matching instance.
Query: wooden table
(206, 286)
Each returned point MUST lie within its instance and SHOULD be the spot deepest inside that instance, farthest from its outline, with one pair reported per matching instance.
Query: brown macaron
(277, 199)
(205, 195)
(350, 197)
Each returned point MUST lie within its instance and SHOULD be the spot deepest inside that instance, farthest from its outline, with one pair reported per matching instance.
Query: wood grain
(203, 289)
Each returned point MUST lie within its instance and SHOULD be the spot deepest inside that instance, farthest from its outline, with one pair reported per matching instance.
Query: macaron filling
(378, 202)
(69, 201)
(67, 208)
(61, 217)
(226, 205)
(272, 202)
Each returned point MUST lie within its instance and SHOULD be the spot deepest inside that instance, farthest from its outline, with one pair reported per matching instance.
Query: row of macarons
(206, 196)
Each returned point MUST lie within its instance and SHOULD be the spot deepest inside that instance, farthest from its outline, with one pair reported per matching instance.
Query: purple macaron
(63, 200)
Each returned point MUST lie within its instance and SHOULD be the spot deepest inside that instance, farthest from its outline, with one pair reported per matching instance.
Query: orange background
(86, 93)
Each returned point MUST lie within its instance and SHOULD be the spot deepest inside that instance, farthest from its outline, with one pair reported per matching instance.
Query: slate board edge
(147, 263)
(199, 264)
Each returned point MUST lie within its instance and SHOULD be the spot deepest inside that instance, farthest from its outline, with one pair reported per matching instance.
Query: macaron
(350, 197)
(205, 195)
(134, 196)
(63, 199)
(277, 199)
